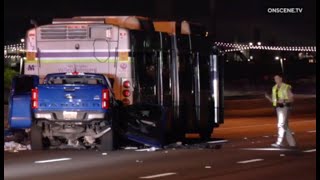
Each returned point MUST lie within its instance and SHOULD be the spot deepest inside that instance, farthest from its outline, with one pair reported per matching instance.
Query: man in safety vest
(282, 98)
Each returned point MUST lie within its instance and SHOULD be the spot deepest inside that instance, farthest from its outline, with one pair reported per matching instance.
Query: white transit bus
(170, 68)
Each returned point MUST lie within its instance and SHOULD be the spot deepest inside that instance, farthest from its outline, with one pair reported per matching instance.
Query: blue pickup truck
(68, 109)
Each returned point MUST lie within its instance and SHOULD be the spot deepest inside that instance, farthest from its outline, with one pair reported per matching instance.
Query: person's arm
(290, 95)
(268, 97)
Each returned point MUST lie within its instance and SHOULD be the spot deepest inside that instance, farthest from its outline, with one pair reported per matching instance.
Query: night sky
(230, 20)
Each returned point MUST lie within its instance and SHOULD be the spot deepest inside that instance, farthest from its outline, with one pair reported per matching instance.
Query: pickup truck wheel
(36, 137)
(106, 141)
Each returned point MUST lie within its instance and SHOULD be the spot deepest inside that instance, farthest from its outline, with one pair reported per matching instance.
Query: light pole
(281, 63)
(282, 67)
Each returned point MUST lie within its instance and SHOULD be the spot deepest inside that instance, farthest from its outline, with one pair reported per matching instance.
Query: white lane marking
(220, 129)
(249, 161)
(215, 142)
(52, 160)
(312, 131)
(265, 136)
(311, 150)
(267, 149)
(158, 175)
(148, 149)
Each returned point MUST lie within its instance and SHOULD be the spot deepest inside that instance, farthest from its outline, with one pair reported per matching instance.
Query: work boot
(277, 145)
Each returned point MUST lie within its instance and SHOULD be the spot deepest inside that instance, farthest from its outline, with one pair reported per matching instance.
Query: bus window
(147, 77)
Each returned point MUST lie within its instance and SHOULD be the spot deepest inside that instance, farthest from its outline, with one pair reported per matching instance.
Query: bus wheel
(205, 134)
(36, 137)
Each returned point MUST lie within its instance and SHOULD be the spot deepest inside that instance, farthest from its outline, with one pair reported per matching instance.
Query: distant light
(259, 43)
(277, 58)
(207, 34)
(250, 43)
(248, 60)
(251, 57)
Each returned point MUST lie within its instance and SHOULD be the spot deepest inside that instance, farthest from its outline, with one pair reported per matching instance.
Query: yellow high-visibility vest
(282, 93)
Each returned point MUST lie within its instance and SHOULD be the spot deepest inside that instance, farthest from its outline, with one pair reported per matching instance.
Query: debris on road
(15, 147)
(129, 148)
(148, 149)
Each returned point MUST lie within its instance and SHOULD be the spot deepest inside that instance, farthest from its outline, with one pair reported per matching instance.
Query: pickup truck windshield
(75, 79)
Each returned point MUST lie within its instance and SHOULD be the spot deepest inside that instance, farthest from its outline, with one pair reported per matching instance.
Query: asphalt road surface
(247, 154)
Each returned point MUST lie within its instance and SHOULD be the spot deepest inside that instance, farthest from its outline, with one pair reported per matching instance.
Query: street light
(277, 58)
(259, 43)
(22, 40)
(250, 43)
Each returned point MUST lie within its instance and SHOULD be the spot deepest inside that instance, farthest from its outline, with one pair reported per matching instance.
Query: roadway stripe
(219, 141)
(311, 150)
(266, 149)
(158, 175)
(52, 160)
(221, 129)
(249, 161)
(84, 50)
(312, 131)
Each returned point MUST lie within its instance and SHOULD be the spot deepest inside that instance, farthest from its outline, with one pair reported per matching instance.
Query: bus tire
(106, 141)
(36, 137)
(205, 134)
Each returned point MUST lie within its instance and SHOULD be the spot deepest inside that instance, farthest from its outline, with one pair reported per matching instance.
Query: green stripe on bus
(76, 61)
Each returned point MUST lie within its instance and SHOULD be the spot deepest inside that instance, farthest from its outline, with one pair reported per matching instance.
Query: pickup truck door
(20, 116)
(143, 123)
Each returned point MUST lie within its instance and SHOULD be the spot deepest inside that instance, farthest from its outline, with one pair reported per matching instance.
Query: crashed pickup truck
(70, 109)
